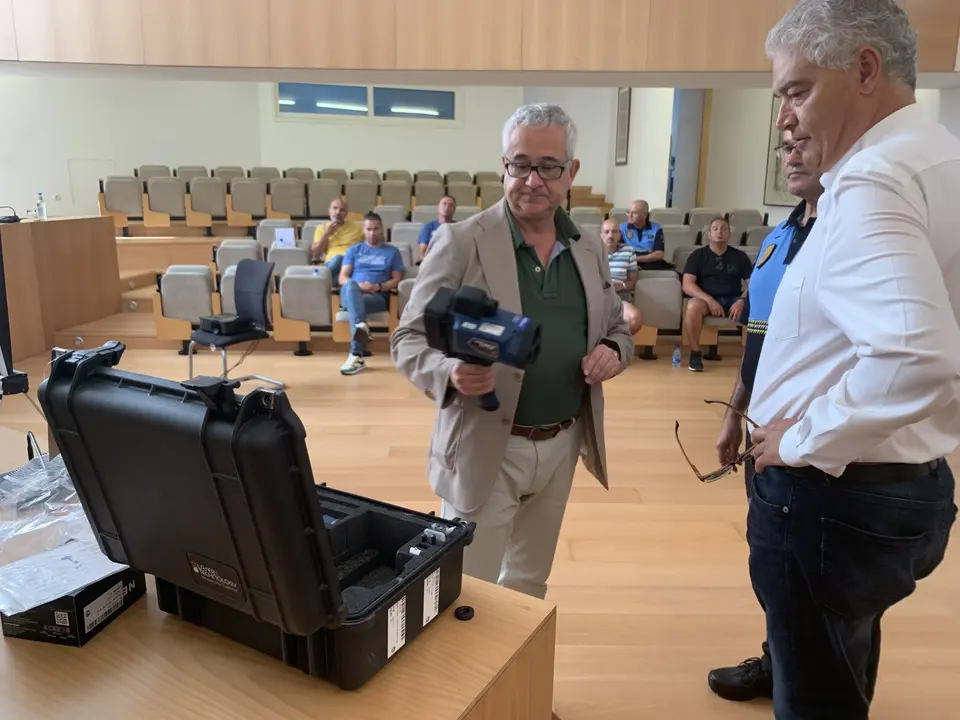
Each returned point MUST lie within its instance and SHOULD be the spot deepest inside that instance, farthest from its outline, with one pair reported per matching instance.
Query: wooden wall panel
(358, 34)
(583, 36)
(938, 22)
(444, 35)
(705, 35)
(79, 31)
(8, 38)
(206, 33)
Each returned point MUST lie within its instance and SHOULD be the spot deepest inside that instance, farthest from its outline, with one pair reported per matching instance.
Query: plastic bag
(47, 547)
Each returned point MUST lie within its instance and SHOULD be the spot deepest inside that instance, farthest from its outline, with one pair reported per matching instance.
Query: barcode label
(431, 596)
(396, 627)
(103, 607)
(61, 618)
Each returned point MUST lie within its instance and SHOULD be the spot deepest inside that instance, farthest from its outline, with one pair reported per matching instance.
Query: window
(368, 102)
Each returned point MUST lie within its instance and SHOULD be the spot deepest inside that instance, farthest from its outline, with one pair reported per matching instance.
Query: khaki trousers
(518, 527)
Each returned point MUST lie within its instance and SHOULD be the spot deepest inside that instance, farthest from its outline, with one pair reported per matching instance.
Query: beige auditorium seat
(674, 238)
(391, 215)
(424, 213)
(406, 253)
(284, 258)
(680, 256)
(372, 176)
(752, 252)
(288, 198)
(267, 231)
(122, 197)
(666, 216)
(361, 196)
(191, 172)
(145, 172)
(338, 174)
(399, 176)
(463, 193)
(209, 195)
(618, 215)
(232, 251)
(302, 174)
(396, 192)
(700, 217)
(229, 173)
(746, 218)
(264, 173)
(406, 233)
(660, 300)
(463, 212)
(756, 235)
(228, 299)
(586, 215)
(429, 176)
(459, 176)
(588, 229)
(428, 193)
(186, 293)
(490, 194)
(320, 193)
(309, 229)
(404, 291)
(487, 177)
(249, 197)
(302, 306)
(166, 201)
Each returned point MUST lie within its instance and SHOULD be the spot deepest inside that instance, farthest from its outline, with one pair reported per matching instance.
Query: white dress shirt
(863, 342)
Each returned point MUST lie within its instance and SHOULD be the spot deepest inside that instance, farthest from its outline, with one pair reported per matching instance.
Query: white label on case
(431, 596)
(103, 607)
(396, 627)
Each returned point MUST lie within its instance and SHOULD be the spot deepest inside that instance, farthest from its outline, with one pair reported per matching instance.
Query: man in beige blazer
(511, 471)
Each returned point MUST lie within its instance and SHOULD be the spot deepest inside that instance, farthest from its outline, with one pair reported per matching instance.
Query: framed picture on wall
(622, 151)
(775, 190)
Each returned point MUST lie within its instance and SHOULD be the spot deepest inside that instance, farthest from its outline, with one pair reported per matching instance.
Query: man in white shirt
(858, 387)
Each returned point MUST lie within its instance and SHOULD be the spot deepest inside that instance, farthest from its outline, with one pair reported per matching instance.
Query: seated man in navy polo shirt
(445, 210)
(713, 278)
(371, 270)
(645, 237)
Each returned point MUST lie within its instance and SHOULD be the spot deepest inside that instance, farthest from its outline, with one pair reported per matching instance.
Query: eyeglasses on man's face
(546, 171)
(729, 467)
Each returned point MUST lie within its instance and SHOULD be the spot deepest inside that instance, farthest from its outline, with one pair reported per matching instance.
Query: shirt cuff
(789, 447)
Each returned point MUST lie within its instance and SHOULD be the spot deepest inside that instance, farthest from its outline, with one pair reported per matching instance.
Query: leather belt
(541, 432)
(872, 473)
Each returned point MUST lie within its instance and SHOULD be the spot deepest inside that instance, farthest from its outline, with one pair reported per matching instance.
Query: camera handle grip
(490, 402)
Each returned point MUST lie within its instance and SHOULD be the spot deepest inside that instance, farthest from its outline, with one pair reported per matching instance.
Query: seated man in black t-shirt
(714, 279)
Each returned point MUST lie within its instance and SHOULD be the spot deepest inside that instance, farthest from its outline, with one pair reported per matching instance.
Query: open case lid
(198, 486)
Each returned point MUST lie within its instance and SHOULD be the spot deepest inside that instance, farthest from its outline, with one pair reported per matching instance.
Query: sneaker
(749, 680)
(361, 333)
(353, 365)
(696, 361)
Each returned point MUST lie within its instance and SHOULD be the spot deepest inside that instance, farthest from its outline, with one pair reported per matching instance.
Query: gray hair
(830, 34)
(541, 114)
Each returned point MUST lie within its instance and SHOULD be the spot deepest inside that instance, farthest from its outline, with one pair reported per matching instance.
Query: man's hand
(601, 365)
(367, 287)
(766, 448)
(735, 311)
(730, 439)
(715, 308)
(472, 380)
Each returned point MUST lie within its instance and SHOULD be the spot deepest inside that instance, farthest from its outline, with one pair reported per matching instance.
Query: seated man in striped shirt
(623, 272)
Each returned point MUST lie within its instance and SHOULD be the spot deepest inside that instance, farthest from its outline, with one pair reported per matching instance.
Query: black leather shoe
(749, 680)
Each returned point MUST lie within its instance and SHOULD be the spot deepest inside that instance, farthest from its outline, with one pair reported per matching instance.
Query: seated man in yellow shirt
(332, 240)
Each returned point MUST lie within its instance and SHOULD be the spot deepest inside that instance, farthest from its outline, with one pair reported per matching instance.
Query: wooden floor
(651, 577)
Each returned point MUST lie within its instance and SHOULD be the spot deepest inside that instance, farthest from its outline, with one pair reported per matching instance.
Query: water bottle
(677, 357)
(41, 207)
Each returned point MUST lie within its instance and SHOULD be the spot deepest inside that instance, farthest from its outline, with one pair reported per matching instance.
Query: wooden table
(147, 665)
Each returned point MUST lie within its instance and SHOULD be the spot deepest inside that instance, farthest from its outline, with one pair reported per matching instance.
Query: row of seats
(696, 218)
(161, 201)
(229, 173)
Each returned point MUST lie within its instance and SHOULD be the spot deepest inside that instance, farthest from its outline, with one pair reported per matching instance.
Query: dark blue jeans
(827, 560)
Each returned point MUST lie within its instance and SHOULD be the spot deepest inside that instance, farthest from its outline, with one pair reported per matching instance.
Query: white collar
(910, 116)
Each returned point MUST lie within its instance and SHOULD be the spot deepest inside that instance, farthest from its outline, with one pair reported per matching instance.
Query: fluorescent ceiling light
(342, 106)
(288, 102)
(400, 110)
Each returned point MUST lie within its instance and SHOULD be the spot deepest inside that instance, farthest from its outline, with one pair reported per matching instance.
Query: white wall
(739, 143)
(645, 175)
(475, 145)
(592, 110)
(950, 110)
(58, 135)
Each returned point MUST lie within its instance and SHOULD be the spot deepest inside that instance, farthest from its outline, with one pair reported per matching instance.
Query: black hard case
(213, 494)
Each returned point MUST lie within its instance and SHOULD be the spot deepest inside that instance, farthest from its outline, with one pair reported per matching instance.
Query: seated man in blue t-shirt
(644, 236)
(445, 210)
(371, 270)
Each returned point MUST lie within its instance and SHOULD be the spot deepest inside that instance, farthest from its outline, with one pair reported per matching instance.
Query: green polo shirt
(553, 387)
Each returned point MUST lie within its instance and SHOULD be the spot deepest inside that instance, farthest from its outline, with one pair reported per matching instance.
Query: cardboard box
(74, 619)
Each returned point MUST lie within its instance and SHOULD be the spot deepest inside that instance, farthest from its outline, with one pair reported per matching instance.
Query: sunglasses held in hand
(729, 467)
